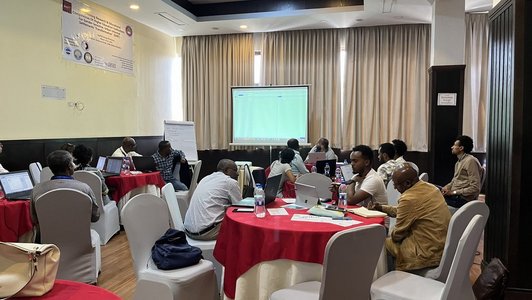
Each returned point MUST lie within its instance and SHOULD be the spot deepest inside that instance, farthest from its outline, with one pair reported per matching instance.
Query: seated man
(400, 151)
(297, 165)
(366, 186)
(386, 155)
(465, 185)
(164, 161)
(83, 156)
(323, 146)
(418, 238)
(2, 169)
(211, 198)
(62, 166)
(127, 148)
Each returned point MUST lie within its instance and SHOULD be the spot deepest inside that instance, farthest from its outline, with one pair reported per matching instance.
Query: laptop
(347, 172)
(313, 157)
(306, 197)
(16, 185)
(101, 163)
(113, 166)
(270, 192)
(320, 166)
(144, 164)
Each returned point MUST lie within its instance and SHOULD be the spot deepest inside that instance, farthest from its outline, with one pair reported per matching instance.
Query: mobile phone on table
(243, 209)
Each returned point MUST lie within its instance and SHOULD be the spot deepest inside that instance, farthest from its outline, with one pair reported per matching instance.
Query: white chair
(320, 181)
(35, 172)
(64, 219)
(393, 197)
(350, 259)
(424, 177)
(46, 174)
(149, 289)
(399, 285)
(146, 218)
(457, 225)
(183, 197)
(109, 223)
(176, 222)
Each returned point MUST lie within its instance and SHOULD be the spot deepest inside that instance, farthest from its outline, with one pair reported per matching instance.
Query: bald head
(228, 167)
(129, 144)
(404, 177)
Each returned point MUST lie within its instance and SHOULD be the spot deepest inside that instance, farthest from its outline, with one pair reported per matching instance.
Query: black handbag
(172, 251)
(491, 283)
(248, 190)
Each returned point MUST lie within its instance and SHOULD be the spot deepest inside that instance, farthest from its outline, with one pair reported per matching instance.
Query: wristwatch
(454, 192)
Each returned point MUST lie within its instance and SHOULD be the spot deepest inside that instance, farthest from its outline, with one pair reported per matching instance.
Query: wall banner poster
(95, 37)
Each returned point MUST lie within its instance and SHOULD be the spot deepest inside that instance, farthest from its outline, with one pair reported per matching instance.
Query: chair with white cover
(320, 181)
(350, 259)
(424, 177)
(393, 197)
(457, 225)
(46, 174)
(176, 222)
(64, 218)
(35, 172)
(109, 223)
(146, 289)
(399, 285)
(183, 197)
(145, 218)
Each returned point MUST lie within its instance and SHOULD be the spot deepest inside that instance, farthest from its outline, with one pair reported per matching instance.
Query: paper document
(277, 212)
(289, 200)
(318, 219)
(367, 213)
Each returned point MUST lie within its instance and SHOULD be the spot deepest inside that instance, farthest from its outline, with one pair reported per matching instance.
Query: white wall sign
(93, 37)
(446, 99)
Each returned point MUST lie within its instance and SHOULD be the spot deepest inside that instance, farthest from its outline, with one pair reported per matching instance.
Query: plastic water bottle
(327, 170)
(260, 209)
(313, 169)
(338, 175)
(126, 166)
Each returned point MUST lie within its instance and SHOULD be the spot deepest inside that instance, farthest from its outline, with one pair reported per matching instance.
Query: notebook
(144, 163)
(306, 197)
(367, 213)
(16, 185)
(270, 192)
(315, 156)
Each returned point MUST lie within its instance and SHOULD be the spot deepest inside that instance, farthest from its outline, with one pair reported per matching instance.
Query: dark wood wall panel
(509, 228)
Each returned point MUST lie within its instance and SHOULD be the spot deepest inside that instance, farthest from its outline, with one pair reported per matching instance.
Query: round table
(71, 290)
(15, 220)
(126, 186)
(245, 241)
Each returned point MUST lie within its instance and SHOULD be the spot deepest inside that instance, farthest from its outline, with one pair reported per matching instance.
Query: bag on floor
(172, 251)
(27, 270)
(492, 281)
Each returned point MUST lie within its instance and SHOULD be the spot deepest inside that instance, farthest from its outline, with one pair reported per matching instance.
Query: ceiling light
(85, 10)
(243, 26)
(134, 6)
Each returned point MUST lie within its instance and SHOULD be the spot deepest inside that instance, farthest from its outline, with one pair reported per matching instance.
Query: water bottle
(126, 166)
(260, 209)
(338, 175)
(313, 169)
(327, 170)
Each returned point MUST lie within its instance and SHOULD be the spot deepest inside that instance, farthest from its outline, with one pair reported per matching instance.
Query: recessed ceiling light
(359, 20)
(134, 6)
(243, 26)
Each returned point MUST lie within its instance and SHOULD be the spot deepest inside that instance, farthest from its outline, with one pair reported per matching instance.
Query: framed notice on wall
(446, 99)
(96, 37)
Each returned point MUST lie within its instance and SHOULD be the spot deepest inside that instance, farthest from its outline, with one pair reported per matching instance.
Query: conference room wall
(115, 104)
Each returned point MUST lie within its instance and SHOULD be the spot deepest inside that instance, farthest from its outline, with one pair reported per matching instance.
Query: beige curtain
(308, 57)
(476, 79)
(211, 65)
(386, 86)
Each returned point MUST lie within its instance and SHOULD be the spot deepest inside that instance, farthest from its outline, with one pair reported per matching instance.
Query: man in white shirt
(297, 165)
(400, 151)
(368, 186)
(386, 155)
(323, 146)
(127, 148)
(2, 169)
(211, 198)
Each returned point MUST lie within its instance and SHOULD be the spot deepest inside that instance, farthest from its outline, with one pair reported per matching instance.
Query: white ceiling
(184, 23)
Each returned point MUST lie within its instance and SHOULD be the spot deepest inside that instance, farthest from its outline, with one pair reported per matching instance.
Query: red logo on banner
(67, 6)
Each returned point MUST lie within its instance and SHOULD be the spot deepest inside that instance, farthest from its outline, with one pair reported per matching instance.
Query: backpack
(172, 251)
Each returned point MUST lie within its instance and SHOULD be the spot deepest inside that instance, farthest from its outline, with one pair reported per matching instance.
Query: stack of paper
(367, 213)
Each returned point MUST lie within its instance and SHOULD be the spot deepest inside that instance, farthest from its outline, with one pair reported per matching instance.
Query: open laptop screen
(101, 163)
(15, 182)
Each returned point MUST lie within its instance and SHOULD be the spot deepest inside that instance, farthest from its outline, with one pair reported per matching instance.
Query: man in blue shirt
(165, 159)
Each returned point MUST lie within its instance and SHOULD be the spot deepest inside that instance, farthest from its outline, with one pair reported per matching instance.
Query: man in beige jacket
(418, 238)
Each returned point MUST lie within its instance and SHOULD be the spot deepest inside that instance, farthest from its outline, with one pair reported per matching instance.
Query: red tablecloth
(71, 290)
(122, 184)
(245, 241)
(15, 219)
